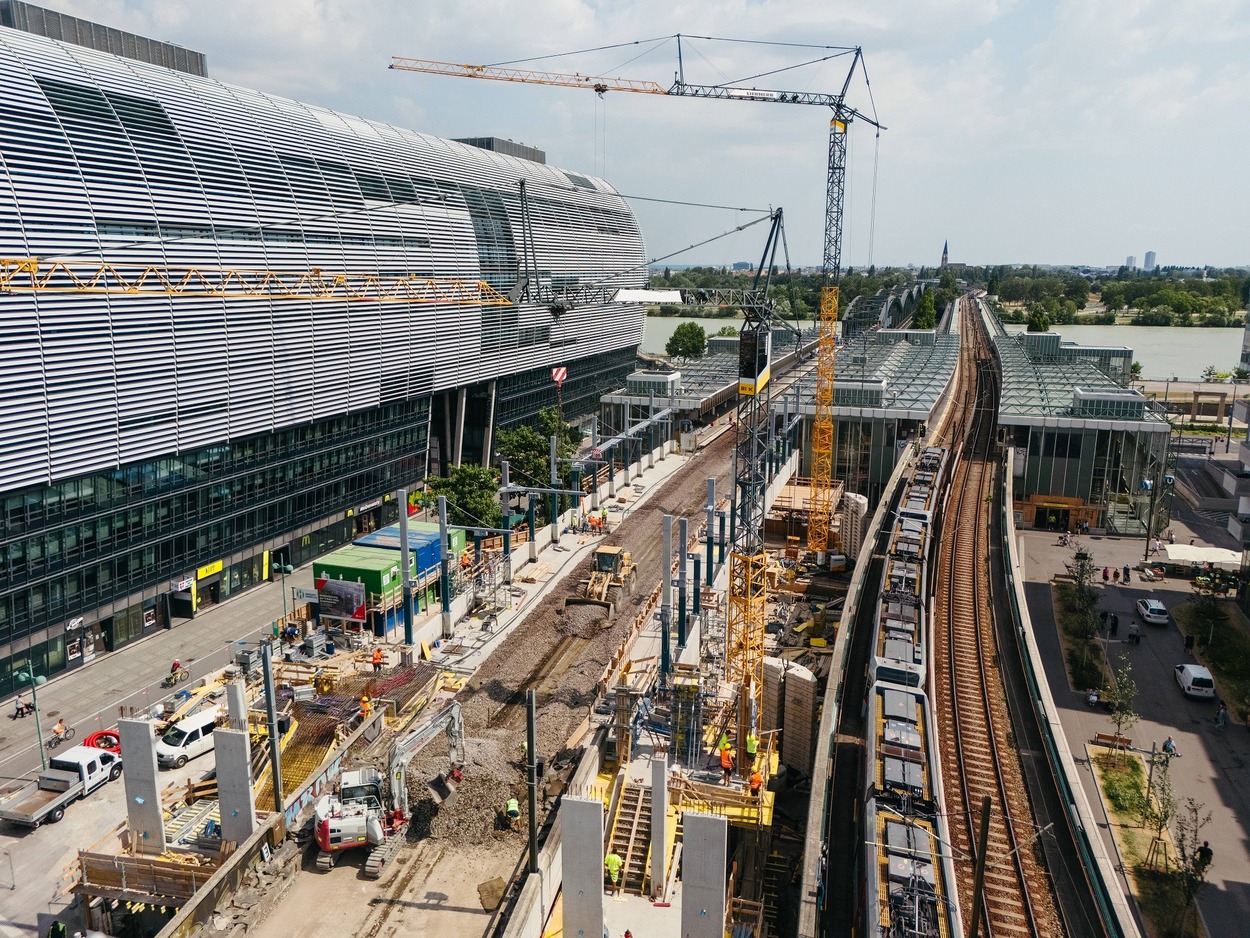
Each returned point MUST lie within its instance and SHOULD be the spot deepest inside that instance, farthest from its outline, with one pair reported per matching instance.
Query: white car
(1195, 680)
(1152, 611)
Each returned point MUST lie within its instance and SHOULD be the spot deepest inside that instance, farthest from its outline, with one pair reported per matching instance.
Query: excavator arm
(449, 720)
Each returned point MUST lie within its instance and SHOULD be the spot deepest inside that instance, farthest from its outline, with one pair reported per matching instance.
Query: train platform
(1212, 770)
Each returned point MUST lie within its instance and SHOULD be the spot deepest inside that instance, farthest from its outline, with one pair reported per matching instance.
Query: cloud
(1015, 129)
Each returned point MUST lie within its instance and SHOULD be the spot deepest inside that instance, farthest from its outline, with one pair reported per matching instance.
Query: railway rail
(976, 726)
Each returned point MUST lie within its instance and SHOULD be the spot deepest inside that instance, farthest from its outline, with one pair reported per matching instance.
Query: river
(1164, 351)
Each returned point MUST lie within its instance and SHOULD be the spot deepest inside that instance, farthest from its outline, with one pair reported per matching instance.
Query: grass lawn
(1087, 665)
(1228, 656)
(1158, 891)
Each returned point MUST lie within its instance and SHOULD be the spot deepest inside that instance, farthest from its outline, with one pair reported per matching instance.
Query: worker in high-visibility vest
(727, 763)
(613, 863)
(757, 782)
(513, 812)
(366, 707)
(753, 745)
(377, 660)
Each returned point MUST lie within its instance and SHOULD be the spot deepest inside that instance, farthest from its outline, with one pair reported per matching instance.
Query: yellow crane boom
(35, 275)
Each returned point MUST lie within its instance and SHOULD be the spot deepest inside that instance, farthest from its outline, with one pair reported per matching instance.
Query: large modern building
(161, 447)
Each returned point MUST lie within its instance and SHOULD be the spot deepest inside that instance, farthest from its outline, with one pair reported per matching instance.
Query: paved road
(1213, 767)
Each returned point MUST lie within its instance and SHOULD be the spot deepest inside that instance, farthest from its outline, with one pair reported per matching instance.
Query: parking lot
(1212, 769)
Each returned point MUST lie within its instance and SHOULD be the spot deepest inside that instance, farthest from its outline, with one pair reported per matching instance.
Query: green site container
(376, 567)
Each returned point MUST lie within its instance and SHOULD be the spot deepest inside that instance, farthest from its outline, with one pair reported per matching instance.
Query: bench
(1112, 741)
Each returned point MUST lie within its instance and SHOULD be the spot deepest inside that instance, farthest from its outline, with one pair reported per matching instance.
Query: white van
(187, 739)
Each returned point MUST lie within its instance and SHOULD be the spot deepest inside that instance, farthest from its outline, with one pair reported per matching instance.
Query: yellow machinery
(614, 575)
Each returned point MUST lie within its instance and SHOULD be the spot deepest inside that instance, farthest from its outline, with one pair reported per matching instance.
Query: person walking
(1115, 625)
(1156, 546)
(1169, 746)
(1115, 576)
(1106, 575)
(1171, 537)
(377, 661)
(1221, 716)
(1126, 573)
(1205, 855)
(727, 763)
(1189, 645)
(613, 864)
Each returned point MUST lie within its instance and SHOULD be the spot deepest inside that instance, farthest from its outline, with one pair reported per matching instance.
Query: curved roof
(110, 158)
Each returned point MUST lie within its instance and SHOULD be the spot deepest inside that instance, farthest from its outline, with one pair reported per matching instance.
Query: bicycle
(177, 677)
(57, 738)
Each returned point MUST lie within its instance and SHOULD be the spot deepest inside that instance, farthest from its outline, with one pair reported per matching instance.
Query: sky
(1064, 132)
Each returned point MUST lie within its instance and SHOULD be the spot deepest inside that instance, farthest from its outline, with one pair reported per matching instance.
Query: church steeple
(945, 252)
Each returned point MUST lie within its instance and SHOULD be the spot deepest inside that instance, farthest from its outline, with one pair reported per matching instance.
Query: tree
(472, 496)
(1193, 859)
(926, 312)
(1136, 370)
(1120, 697)
(688, 341)
(730, 332)
(1159, 806)
(1038, 320)
(1208, 606)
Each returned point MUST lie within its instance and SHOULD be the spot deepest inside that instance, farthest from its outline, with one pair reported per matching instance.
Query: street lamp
(29, 674)
(284, 569)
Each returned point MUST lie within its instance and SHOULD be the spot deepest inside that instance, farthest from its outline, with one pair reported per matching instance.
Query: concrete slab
(706, 839)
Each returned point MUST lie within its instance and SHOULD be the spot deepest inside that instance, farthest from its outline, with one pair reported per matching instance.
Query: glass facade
(72, 547)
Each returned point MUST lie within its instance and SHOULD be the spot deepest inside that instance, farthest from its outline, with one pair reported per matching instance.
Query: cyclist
(58, 731)
(175, 667)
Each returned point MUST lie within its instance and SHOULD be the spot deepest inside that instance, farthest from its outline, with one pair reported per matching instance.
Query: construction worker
(753, 745)
(757, 782)
(603, 520)
(377, 660)
(613, 864)
(724, 742)
(513, 812)
(727, 763)
(366, 707)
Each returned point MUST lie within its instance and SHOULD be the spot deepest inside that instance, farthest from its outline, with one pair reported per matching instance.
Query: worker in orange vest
(727, 762)
(377, 660)
(366, 708)
(757, 781)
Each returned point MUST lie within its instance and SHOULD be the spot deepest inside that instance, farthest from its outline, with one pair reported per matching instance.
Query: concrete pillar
(234, 784)
(488, 439)
(703, 865)
(659, 823)
(458, 446)
(772, 711)
(581, 860)
(444, 452)
(143, 798)
(236, 704)
(798, 737)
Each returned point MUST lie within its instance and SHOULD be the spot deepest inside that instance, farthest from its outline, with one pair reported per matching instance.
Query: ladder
(631, 837)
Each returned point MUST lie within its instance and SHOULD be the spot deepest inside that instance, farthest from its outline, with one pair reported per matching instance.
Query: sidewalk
(1213, 768)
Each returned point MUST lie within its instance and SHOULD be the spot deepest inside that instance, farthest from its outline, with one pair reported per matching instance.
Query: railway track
(977, 747)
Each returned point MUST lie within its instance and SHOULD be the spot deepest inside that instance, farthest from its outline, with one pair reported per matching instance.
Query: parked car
(70, 775)
(1152, 611)
(1195, 681)
(187, 739)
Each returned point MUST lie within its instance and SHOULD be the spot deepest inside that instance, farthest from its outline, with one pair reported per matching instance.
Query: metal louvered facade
(129, 403)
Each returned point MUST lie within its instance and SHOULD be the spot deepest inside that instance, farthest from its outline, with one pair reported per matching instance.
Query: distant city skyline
(1000, 133)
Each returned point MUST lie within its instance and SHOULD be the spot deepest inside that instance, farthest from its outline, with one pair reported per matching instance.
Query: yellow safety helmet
(364, 699)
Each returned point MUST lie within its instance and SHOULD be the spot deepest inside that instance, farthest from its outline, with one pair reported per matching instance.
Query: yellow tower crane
(747, 611)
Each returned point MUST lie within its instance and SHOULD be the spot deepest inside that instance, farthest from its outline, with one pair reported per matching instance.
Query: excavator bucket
(443, 787)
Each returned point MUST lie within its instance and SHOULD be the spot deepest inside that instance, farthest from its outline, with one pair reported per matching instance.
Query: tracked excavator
(613, 576)
(371, 811)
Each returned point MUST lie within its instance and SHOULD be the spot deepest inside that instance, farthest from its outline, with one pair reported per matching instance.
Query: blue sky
(1077, 131)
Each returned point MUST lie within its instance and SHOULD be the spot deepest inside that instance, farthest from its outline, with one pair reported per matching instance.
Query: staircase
(631, 837)
(776, 879)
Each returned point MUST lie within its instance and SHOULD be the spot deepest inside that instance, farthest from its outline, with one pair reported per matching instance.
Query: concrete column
(659, 823)
(234, 784)
(666, 598)
(683, 538)
(581, 861)
(236, 704)
(458, 446)
(143, 799)
(445, 451)
(703, 864)
(488, 438)
(650, 438)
